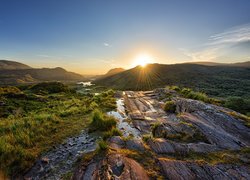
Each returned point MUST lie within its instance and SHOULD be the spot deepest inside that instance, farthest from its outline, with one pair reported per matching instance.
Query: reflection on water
(85, 84)
(123, 125)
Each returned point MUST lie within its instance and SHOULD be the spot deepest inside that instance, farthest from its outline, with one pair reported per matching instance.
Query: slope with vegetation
(13, 73)
(220, 81)
(36, 117)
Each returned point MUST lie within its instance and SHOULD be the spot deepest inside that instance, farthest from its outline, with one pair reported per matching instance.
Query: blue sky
(92, 36)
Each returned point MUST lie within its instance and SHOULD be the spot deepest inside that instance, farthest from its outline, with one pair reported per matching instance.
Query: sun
(142, 60)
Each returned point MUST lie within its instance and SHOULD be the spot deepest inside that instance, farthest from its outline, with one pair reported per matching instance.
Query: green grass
(32, 124)
(102, 146)
(112, 132)
(101, 121)
(170, 106)
(225, 156)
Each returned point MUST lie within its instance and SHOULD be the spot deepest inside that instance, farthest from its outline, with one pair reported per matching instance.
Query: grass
(246, 119)
(146, 159)
(170, 106)
(102, 146)
(189, 93)
(225, 157)
(101, 121)
(32, 124)
(112, 132)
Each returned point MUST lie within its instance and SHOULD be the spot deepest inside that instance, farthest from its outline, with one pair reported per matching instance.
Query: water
(53, 164)
(123, 124)
(85, 84)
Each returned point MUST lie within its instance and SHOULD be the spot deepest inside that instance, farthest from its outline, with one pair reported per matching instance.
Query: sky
(93, 36)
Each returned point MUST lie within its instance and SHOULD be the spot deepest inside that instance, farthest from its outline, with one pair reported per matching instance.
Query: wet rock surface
(113, 166)
(195, 127)
(174, 169)
(60, 160)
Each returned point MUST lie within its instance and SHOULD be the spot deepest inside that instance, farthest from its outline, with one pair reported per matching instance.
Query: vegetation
(225, 156)
(216, 81)
(32, 122)
(102, 122)
(246, 119)
(238, 104)
(102, 146)
(49, 87)
(170, 106)
(112, 132)
(147, 160)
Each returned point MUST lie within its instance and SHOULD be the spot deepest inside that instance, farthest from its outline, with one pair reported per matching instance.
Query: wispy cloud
(106, 44)
(219, 44)
(231, 36)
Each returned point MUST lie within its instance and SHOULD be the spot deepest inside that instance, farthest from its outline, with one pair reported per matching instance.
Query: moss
(170, 106)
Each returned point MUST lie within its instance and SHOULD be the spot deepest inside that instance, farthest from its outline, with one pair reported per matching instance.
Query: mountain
(214, 80)
(112, 72)
(206, 63)
(8, 65)
(25, 74)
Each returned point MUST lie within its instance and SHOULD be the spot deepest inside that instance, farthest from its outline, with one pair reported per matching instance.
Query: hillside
(206, 63)
(215, 80)
(8, 65)
(20, 74)
(113, 72)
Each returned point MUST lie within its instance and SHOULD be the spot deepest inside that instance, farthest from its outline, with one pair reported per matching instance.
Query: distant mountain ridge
(8, 65)
(207, 63)
(113, 72)
(16, 73)
(223, 80)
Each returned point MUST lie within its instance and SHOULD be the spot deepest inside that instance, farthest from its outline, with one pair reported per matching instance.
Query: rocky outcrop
(117, 142)
(194, 127)
(182, 170)
(164, 146)
(218, 126)
(113, 166)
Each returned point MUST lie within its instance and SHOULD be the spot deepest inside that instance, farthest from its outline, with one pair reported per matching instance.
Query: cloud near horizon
(219, 45)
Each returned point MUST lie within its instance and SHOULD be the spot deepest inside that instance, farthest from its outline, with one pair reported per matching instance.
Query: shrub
(175, 88)
(170, 106)
(238, 104)
(9, 90)
(50, 87)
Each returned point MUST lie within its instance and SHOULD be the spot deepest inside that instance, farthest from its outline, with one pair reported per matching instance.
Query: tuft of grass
(102, 122)
(112, 132)
(102, 146)
(246, 119)
(170, 106)
(146, 137)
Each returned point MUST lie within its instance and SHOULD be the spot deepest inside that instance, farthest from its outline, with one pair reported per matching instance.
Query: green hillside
(219, 81)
